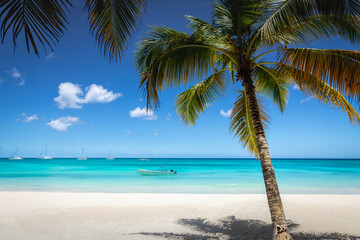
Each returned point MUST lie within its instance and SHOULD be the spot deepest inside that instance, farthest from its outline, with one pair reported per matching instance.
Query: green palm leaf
(168, 58)
(113, 22)
(193, 101)
(41, 21)
(208, 33)
(320, 27)
(291, 14)
(241, 124)
(273, 83)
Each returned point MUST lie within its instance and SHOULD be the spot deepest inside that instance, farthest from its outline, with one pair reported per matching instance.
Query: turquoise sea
(310, 176)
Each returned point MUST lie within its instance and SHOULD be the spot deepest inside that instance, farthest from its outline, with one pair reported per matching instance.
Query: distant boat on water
(110, 156)
(142, 157)
(82, 155)
(144, 172)
(45, 157)
(14, 157)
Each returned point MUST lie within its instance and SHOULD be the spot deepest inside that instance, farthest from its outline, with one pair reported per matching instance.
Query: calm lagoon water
(310, 176)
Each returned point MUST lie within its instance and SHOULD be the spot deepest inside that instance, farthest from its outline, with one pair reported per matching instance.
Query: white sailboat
(14, 157)
(45, 157)
(82, 155)
(142, 157)
(110, 156)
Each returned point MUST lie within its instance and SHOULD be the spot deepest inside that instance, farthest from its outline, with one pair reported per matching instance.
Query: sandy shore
(53, 215)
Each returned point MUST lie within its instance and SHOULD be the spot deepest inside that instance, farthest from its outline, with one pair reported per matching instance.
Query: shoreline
(68, 215)
(174, 193)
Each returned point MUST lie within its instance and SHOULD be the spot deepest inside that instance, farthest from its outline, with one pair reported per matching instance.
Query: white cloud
(168, 117)
(225, 114)
(1, 80)
(307, 99)
(16, 74)
(96, 93)
(22, 82)
(29, 118)
(61, 124)
(70, 95)
(156, 133)
(141, 112)
(296, 87)
(51, 55)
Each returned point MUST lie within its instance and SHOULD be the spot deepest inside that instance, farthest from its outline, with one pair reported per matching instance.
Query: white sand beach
(108, 216)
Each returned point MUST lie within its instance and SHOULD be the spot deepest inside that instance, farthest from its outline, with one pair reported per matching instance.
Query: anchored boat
(144, 172)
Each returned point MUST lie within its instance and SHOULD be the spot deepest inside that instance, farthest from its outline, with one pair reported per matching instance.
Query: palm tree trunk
(281, 231)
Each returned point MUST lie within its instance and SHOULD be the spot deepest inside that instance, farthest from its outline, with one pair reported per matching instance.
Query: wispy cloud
(1, 80)
(225, 114)
(51, 55)
(71, 95)
(61, 124)
(142, 113)
(17, 75)
(168, 118)
(29, 118)
(307, 99)
(296, 87)
(156, 132)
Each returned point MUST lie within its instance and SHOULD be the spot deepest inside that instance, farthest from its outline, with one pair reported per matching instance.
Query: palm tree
(231, 50)
(43, 22)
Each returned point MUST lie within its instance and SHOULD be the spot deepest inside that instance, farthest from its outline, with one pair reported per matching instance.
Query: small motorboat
(144, 172)
(144, 159)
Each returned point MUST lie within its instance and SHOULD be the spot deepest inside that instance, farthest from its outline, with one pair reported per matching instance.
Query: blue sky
(106, 114)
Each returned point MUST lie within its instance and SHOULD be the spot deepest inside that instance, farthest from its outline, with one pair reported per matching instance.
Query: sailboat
(82, 155)
(110, 156)
(14, 157)
(142, 157)
(45, 155)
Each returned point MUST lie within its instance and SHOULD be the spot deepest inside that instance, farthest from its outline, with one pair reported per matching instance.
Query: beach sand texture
(110, 216)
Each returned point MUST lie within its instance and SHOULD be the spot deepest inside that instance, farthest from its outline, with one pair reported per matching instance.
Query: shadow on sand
(231, 228)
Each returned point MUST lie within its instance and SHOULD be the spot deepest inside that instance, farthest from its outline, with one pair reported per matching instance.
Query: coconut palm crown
(43, 22)
(236, 49)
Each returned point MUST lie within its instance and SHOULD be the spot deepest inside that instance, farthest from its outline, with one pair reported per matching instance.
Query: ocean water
(308, 176)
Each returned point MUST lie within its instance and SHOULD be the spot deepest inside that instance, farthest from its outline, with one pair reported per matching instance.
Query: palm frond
(281, 25)
(167, 58)
(321, 27)
(193, 101)
(41, 21)
(311, 85)
(113, 22)
(241, 124)
(237, 17)
(208, 33)
(272, 83)
(339, 68)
